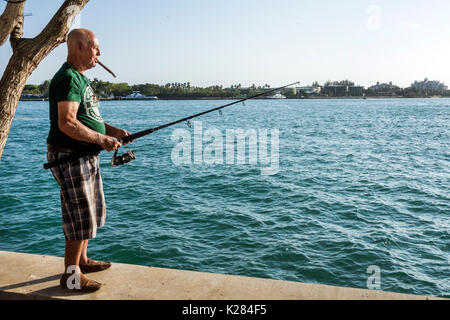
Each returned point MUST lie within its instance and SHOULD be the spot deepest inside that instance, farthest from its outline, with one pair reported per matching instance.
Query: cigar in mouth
(106, 68)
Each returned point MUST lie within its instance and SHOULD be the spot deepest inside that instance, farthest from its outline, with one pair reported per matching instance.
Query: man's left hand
(121, 134)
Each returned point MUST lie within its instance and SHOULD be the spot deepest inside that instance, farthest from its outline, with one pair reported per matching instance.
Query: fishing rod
(127, 157)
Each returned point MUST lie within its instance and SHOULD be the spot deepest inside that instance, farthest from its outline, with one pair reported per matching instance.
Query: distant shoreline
(235, 98)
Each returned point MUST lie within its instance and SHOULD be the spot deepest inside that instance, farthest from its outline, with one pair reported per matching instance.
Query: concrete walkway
(29, 276)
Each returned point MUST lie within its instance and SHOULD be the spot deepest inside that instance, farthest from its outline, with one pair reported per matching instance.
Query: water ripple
(360, 183)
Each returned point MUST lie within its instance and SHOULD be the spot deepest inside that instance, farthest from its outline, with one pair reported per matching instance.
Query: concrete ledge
(29, 276)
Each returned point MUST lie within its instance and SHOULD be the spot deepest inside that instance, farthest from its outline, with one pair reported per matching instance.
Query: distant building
(383, 86)
(428, 85)
(342, 90)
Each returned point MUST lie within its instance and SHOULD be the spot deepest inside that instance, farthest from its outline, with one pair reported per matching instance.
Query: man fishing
(76, 124)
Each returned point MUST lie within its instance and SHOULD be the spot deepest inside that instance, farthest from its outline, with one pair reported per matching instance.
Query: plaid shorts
(82, 200)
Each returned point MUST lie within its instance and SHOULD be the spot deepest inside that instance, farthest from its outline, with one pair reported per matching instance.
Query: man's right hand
(109, 143)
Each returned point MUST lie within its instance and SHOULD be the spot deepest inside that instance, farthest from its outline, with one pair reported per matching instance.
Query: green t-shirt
(70, 85)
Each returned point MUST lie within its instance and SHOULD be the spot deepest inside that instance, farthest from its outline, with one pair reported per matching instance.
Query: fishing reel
(124, 158)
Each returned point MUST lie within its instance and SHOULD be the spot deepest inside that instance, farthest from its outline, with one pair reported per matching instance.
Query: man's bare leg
(74, 249)
(83, 256)
(73, 253)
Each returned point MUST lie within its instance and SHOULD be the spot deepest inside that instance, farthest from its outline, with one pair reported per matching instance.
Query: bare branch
(58, 27)
(54, 33)
(11, 16)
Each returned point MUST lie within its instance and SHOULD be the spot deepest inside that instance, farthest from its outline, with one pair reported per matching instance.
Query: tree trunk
(27, 54)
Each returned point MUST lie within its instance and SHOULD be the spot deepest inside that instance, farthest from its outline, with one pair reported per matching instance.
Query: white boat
(277, 96)
(137, 96)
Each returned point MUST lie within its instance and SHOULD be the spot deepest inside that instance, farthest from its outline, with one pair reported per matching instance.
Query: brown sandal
(85, 284)
(94, 266)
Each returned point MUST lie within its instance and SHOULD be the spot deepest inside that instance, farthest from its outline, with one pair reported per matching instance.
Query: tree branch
(54, 33)
(58, 27)
(11, 16)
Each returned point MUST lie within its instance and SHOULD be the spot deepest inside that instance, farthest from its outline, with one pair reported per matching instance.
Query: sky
(212, 42)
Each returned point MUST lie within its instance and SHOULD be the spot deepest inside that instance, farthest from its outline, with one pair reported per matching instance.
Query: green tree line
(178, 90)
(107, 89)
(173, 90)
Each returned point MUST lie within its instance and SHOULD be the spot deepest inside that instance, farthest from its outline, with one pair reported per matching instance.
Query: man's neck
(76, 65)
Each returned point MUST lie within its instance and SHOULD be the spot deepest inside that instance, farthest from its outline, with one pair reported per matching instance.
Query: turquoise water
(360, 183)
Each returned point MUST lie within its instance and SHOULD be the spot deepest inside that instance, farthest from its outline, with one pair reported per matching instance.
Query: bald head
(78, 37)
(83, 49)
